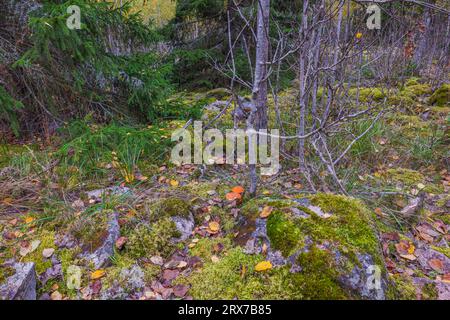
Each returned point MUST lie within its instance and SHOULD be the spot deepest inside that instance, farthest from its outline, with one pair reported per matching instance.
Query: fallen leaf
(29, 248)
(410, 257)
(180, 290)
(169, 274)
(437, 265)
(231, 196)
(267, 210)
(263, 266)
(174, 183)
(56, 295)
(97, 274)
(157, 260)
(29, 220)
(121, 242)
(48, 252)
(238, 189)
(379, 212)
(213, 227)
(215, 259)
(182, 264)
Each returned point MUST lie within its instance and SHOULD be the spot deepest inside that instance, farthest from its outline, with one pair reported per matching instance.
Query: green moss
(412, 82)
(47, 239)
(224, 280)
(6, 272)
(441, 96)
(234, 277)
(348, 226)
(169, 207)
(204, 248)
(403, 288)
(227, 221)
(416, 90)
(319, 277)
(146, 240)
(284, 234)
(368, 94)
(406, 176)
(91, 228)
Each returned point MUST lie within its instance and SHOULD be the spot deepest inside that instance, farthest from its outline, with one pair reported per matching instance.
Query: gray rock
(21, 285)
(363, 278)
(184, 225)
(115, 191)
(442, 288)
(101, 257)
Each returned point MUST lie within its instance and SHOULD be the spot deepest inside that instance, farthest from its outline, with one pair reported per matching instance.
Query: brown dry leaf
(97, 274)
(56, 296)
(410, 257)
(267, 210)
(446, 278)
(437, 265)
(121, 242)
(379, 212)
(263, 266)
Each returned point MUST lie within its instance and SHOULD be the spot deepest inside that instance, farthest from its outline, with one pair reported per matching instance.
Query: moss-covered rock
(441, 96)
(368, 94)
(168, 207)
(329, 238)
(147, 240)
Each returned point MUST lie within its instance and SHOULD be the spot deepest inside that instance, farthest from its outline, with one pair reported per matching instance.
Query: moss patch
(148, 240)
(169, 207)
(441, 96)
(47, 239)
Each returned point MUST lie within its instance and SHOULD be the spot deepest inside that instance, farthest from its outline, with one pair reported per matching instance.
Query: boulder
(21, 285)
(101, 256)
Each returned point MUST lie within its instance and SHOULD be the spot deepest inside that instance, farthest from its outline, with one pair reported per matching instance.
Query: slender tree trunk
(262, 56)
(258, 117)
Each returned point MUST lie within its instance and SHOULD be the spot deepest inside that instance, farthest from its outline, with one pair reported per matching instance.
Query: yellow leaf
(29, 219)
(263, 266)
(214, 226)
(266, 212)
(359, 35)
(97, 274)
(174, 183)
(411, 249)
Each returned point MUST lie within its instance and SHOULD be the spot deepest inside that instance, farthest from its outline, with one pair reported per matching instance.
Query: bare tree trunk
(262, 56)
(258, 116)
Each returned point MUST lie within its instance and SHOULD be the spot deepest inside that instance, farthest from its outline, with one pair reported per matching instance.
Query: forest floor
(192, 232)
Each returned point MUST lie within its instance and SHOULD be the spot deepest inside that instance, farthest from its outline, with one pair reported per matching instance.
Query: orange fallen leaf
(267, 210)
(97, 274)
(238, 189)
(231, 196)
